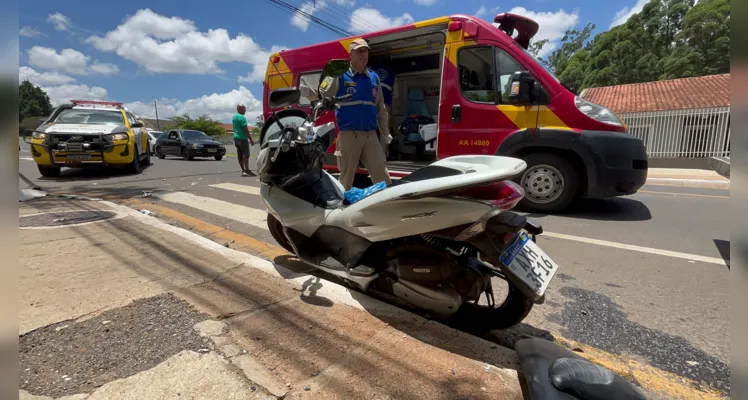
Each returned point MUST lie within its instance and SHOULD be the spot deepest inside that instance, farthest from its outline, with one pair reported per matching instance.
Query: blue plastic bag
(356, 194)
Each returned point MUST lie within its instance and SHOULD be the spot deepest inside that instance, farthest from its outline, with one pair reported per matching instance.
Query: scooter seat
(555, 373)
(426, 173)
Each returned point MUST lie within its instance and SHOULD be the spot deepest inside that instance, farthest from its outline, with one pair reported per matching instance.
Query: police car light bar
(99, 103)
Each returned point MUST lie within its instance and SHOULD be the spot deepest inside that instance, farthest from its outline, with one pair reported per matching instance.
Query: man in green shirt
(242, 139)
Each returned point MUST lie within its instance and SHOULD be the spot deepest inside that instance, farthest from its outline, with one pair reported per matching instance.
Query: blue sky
(205, 57)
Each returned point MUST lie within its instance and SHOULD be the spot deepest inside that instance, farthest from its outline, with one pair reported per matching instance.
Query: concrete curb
(694, 183)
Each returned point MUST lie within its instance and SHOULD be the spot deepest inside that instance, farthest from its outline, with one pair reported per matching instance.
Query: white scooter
(432, 240)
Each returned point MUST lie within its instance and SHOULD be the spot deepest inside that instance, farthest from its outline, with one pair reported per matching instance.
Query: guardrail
(697, 133)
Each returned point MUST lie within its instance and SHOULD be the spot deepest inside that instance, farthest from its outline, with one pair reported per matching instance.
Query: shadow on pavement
(92, 173)
(313, 336)
(615, 209)
(723, 246)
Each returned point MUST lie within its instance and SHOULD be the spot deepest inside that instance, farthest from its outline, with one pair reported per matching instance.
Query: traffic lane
(151, 178)
(674, 222)
(670, 312)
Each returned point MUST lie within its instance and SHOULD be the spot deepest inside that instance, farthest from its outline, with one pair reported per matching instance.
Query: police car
(89, 133)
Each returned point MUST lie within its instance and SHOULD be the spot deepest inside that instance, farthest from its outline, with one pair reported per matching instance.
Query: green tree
(668, 39)
(536, 47)
(259, 122)
(573, 41)
(32, 101)
(703, 45)
(203, 123)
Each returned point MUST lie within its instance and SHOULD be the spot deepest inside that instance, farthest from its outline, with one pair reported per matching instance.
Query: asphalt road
(662, 304)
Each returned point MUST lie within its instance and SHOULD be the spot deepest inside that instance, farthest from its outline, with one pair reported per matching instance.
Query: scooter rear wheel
(515, 308)
(276, 229)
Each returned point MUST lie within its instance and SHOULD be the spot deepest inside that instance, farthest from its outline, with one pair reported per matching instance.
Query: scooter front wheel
(276, 229)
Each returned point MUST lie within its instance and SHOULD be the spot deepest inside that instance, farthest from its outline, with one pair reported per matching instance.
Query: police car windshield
(90, 117)
(194, 135)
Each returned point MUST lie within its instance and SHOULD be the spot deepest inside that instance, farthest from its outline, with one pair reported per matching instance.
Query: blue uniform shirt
(360, 112)
(387, 80)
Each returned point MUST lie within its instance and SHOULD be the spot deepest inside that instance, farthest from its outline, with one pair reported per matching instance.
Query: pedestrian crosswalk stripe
(238, 188)
(246, 215)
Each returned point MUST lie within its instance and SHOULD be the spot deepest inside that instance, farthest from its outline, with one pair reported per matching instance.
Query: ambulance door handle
(456, 113)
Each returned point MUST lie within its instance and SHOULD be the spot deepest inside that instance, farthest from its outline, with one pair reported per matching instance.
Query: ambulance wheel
(550, 183)
(276, 230)
(49, 172)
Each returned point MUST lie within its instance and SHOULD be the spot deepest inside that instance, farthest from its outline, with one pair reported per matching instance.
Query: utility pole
(158, 125)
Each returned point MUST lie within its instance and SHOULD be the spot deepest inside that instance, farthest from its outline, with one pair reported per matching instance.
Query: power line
(338, 12)
(295, 10)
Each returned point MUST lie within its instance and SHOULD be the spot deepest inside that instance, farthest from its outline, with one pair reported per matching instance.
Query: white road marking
(238, 188)
(26, 158)
(641, 249)
(257, 217)
(247, 215)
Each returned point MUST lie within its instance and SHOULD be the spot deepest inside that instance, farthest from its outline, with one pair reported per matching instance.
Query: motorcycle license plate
(529, 263)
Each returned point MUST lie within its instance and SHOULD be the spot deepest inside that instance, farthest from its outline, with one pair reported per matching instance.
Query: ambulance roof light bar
(526, 28)
(97, 103)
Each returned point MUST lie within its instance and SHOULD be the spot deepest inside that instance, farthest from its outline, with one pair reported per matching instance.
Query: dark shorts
(242, 147)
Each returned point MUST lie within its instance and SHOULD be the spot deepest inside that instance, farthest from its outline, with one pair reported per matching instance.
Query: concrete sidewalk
(117, 304)
(687, 177)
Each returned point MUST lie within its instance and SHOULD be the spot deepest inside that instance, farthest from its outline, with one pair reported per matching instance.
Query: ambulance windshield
(540, 64)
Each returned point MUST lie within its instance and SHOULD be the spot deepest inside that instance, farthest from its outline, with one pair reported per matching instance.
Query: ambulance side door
(474, 115)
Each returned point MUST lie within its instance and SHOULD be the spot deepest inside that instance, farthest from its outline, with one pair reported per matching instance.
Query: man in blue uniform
(359, 118)
(387, 80)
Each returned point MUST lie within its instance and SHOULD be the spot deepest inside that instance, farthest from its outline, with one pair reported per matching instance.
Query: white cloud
(30, 31)
(369, 19)
(61, 88)
(425, 2)
(174, 45)
(257, 74)
(483, 12)
(65, 93)
(553, 25)
(104, 68)
(625, 13)
(60, 22)
(345, 3)
(43, 78)
(221, 106)
(68, 60)
(302, 21)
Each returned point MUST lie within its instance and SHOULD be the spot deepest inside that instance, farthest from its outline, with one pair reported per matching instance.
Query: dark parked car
(188, 144)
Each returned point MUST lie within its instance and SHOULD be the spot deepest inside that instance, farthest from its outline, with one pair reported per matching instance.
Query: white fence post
(696, 133)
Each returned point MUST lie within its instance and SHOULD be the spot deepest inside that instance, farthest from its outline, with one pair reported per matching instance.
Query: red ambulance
(461, 85)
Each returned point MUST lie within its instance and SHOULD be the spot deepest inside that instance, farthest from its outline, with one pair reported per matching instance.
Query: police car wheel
(135, 165)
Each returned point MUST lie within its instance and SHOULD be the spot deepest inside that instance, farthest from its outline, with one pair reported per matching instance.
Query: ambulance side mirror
(524, 90)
